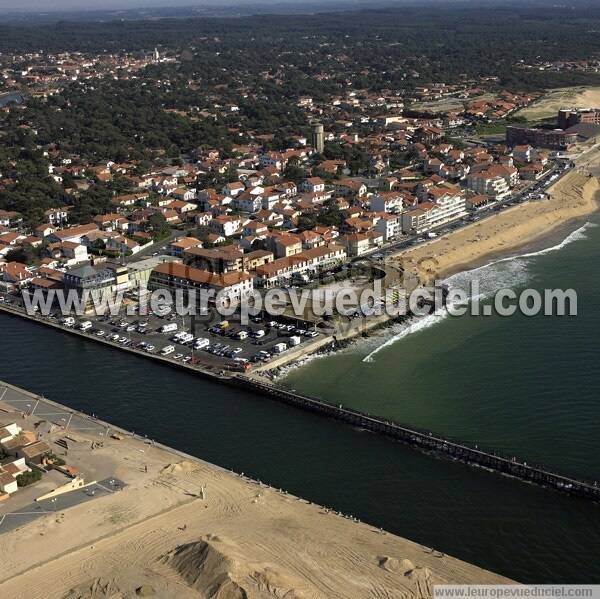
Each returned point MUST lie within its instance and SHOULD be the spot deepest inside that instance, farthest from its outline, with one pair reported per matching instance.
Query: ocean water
(528, 386)
(523, 385)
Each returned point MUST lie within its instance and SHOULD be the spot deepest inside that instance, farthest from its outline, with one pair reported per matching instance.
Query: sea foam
(497, 274)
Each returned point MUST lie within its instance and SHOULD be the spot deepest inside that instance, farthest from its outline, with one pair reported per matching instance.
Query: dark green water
(523, 385)
(528, 386)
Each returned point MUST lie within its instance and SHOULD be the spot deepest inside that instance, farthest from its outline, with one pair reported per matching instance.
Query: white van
(165, 351)
(279, 348)
(258, 334)
(86, 325)
(201, 343)
(295, 341)
(69, 321)
(168, 328)
(186, 338)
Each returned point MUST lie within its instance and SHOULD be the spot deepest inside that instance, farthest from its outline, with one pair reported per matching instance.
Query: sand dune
(219, 570)
(566, 97)
(186, 529)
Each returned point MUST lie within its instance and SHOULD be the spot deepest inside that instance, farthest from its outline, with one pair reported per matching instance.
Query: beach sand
(184, 528)
(565, 97)
(572, 198)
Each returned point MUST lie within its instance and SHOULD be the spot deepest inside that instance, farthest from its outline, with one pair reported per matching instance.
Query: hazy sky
(50, 5)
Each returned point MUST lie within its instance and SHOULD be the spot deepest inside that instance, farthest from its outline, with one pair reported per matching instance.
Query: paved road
(535, 187)
(52, 413)
(36, 510)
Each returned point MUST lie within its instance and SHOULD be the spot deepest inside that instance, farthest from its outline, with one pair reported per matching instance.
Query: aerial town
(264, 240)
(368, 173)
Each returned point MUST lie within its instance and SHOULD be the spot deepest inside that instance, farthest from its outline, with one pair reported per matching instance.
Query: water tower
(318, 137)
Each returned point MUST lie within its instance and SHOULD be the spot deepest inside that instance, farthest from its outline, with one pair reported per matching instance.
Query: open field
(184, 528)
(448, 103)
(566, 97)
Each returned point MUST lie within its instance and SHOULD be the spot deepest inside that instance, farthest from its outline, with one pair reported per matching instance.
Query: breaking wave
(502, 273)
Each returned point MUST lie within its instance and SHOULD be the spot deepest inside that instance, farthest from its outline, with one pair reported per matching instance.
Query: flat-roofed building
(568, 117)
(554, 139)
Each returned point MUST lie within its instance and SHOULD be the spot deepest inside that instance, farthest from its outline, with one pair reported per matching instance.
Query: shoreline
(536, 244)
(173, 500)
(502, 235)
(574, 198)
(422, 440)
(585, 206)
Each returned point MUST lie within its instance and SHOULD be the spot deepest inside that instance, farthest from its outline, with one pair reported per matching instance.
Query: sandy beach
(548, 105)
(184, 528)
(572, 198)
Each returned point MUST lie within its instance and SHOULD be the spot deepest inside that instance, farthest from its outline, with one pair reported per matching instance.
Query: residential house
(72, 233)
(56, 216)
(389, 225)
(356, 243)
(180, 245)
(233, 189)
(349, 188)
(286, 245)
(9, 218)
(34, 453)
(255, 228)
(226, 225)
(13, 276)
(312, 185)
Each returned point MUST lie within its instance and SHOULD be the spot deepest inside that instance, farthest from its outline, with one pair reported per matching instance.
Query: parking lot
(200, 340)
(214, 343)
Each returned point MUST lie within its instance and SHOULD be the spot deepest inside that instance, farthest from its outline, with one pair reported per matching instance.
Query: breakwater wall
(430, 442)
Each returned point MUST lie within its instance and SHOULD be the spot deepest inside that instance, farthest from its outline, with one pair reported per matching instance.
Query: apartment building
(555, 139)
(225, 225)
(428, 215)
(488, 184)
(229, 288)
(281, 271)
(569, 117)
(387, 202)
(390, 226)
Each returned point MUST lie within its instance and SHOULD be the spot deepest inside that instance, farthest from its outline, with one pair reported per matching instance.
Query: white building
(390, 226)
(8, 430)
(387, 203)
(429, 215)
(312, 185)
(225, 225)
(483, 183)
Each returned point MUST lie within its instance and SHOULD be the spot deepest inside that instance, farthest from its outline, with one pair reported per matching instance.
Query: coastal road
(524, 195)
